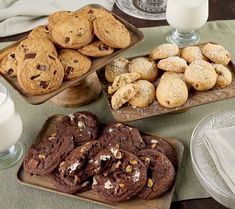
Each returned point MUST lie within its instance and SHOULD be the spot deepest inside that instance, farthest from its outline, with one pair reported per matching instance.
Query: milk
(187, 15)
(10, 123)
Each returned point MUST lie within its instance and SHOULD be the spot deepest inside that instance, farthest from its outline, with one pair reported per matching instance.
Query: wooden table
(219, 10)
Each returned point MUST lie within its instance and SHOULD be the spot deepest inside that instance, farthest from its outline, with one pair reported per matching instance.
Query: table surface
(219, 10)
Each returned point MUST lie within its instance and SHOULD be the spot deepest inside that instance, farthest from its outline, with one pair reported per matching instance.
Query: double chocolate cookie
(124, 178)
(44, 157)
(160, 173)
(118, 135)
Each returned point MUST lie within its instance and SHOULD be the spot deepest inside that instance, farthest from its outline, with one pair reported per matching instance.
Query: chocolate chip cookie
(56, 17)
(40, 75)
(123, 180)
(160, 174)
(44, 157)
(42, 31)
(118, 135)
(75, 64)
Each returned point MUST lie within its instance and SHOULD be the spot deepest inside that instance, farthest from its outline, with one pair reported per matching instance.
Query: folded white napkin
(221, 146)
(17, 16)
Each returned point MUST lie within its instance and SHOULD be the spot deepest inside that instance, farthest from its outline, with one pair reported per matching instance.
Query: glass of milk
(11, 150)
(186, 16)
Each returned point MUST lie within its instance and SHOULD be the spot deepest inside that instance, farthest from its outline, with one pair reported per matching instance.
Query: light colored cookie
(192, 53)
(73, 32)
(201, 75)
(145, 67)
(58, 16)
(122, 80)
(41, 31)
(173, 64)
(123, 95)
(224, 76)
(41, 75)
(145, 96)
(9, 64)
(172, 92)
(75, 64)
(111, 32)
(116, 68)
(93, 13)
(96, 49)
(216, 53)
(164, 51)
(29, 47)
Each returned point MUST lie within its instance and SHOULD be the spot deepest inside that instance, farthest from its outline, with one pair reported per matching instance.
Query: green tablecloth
(180, 126)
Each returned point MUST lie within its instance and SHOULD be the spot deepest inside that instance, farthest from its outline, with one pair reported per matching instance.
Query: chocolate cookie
(44, 157)
(82, 126)
(160, 145)
(160, 174)
(61, 185)
(77, 167)
(122, 136)
(124, 179)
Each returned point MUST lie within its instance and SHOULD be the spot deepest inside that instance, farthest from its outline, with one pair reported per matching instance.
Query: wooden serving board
(44, 182)
(97, 63)
(128, 113)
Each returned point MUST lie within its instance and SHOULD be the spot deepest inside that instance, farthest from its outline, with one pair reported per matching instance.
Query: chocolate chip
(12, 56)
(54, 72)
(30, 56)
(75, 61)
(41, 67)
(69, 70)
(91, 11)
(53, 58)
(35, 76)
(67, 39)
(103, 47)
(79, 35)
(44, 84)
(10, 71)
(46, 27)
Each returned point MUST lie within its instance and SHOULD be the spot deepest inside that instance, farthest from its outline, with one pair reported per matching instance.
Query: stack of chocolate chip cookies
(62, 50)
(115, 160)
(167, 75)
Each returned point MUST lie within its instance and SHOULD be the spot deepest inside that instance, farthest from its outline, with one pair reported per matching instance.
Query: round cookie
(62, 186)
(118, 135)
(116, 68)
(73, 32)
(58, 16)
(160, 145)
(172, 92)
(29, 48)
(75, 64)
(172, 64)
(41, 75)
(111, 32)
(82, 126)
(224, 76)
(145, 96)
(192, 53)
(122, 80)
(9, 64)
(201, 75)
(145, 67)
(164, 51)
(42, 31)
(216, 53)
(123, 95)
(78, 165)
(93, 13)
(96, 49)
(44, 157)
(123, 180)
(160, 174)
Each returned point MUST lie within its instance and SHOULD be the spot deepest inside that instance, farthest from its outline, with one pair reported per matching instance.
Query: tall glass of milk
(11, 150)
(186, 16)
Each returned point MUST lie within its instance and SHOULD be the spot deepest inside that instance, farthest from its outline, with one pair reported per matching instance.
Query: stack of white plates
(202, 162)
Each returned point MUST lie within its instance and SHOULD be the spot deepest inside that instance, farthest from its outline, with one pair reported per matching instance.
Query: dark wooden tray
(97, 63)
(127, 113)
(44, 182)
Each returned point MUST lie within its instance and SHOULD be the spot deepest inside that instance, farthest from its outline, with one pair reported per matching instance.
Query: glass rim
(2, 86)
